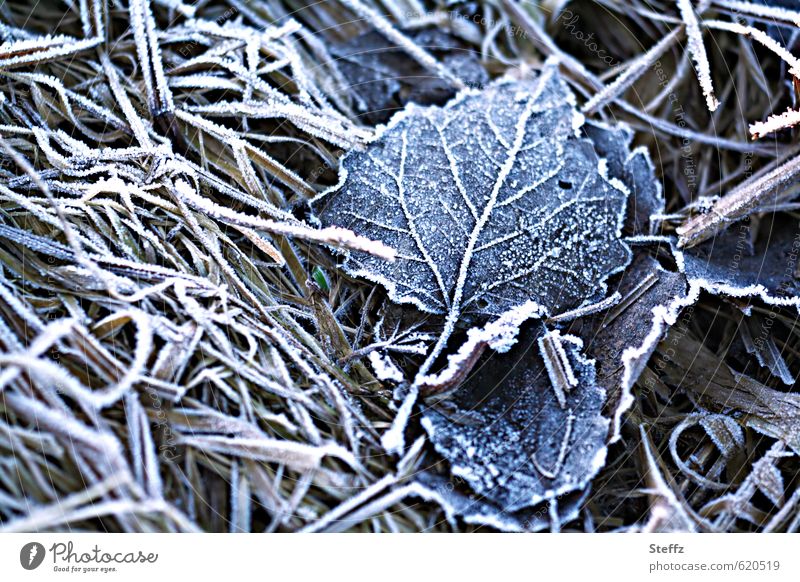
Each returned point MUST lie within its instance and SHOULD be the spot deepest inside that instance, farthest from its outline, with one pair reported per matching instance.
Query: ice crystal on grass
(698, 51)
(30, 51)
(774, 123)
(491, 201)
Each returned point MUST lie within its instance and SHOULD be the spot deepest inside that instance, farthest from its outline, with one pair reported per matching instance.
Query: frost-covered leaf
(456, 502)
(499, 335)
(634, 169)
(749, 259)
(490, 202)
(515, 439)
(384, 79)
(622, 339)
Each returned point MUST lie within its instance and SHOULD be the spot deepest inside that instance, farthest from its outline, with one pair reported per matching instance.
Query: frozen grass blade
(698, 51)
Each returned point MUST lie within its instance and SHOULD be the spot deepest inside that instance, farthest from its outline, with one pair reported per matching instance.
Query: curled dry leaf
(721, 389)
(491, 201)
(764, 477)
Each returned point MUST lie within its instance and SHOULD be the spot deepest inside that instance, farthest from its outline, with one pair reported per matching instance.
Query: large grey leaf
(491, 201)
